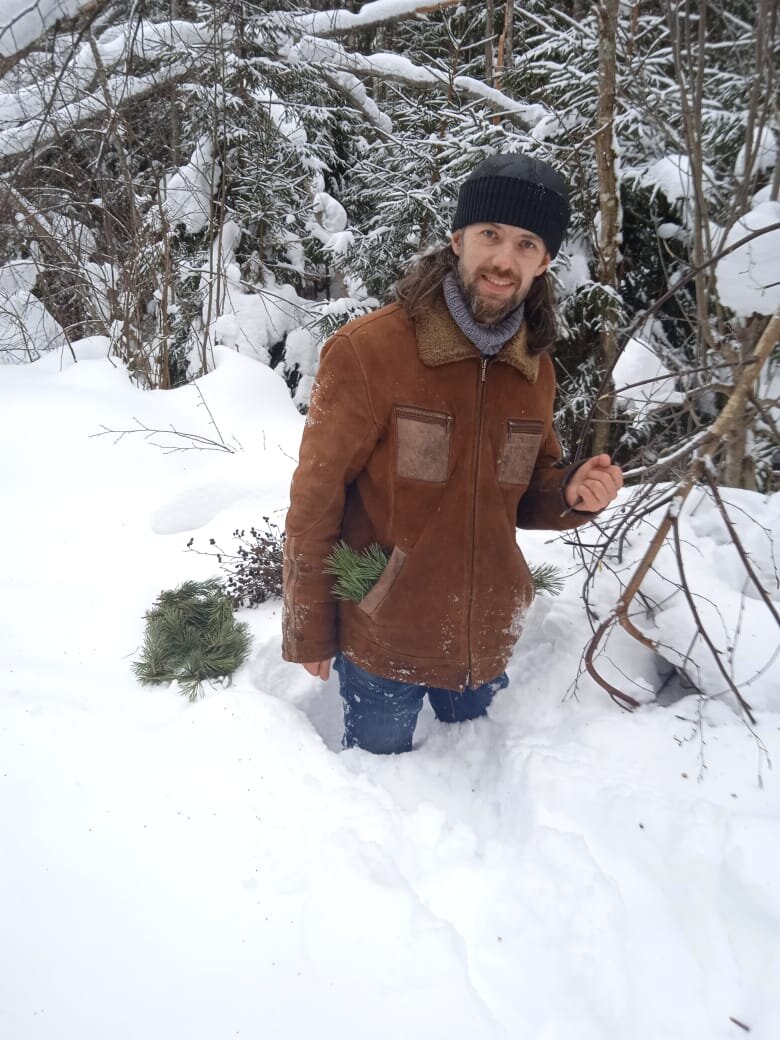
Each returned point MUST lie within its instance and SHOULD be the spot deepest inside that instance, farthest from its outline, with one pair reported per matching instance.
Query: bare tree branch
(741, 550)
(701, 628)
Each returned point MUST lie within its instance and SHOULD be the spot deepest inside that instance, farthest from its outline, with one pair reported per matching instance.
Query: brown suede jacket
(415, 441)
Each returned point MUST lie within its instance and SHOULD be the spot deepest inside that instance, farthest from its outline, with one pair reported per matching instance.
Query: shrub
(254, 570)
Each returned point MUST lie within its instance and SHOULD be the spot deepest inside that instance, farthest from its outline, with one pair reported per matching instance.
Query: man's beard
(485, 311)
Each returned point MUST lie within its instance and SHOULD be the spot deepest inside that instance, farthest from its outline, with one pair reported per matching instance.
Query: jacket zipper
(477, 454)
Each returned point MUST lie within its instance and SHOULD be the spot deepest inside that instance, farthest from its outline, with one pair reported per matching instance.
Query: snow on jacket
(415, 441)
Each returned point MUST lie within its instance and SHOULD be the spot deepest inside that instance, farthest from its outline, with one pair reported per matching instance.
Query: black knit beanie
(517, 190)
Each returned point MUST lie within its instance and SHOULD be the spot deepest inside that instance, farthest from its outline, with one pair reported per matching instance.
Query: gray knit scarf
(488, 339)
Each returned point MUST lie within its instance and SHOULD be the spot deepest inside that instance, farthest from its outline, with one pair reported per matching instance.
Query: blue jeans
(380, 714)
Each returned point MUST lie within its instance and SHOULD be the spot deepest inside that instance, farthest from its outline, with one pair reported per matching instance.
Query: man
(430, 434)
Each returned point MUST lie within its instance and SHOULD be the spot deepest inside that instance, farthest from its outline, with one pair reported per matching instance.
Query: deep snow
(560, 870)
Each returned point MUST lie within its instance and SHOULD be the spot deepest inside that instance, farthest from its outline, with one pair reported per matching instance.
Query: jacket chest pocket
(423, 440)
(521, 447)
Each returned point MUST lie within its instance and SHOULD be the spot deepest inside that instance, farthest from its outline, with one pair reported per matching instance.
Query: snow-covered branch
(112, 50)
(330, 23)
(397, 68)
(122, 88)
(23, 22)
(356, 92)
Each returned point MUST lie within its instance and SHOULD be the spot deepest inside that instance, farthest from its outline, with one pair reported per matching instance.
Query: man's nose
(503, 257)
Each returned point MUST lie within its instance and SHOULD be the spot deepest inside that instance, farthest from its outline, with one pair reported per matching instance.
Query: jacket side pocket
(374, 599)
(521, 447)
(422, 444)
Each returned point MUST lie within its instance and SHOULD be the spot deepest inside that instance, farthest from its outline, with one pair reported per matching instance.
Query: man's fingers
(601, 486)
(604, 461)
(319, 669)
(595, 484)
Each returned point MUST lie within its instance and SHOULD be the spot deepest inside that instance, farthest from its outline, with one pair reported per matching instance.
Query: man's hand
(319, 669)
(594, 485)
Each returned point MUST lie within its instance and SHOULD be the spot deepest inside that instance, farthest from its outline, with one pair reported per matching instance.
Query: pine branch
(356, 573)
(547, 578)
(191, 638)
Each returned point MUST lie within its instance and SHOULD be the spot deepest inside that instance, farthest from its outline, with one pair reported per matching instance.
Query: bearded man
(430, 434)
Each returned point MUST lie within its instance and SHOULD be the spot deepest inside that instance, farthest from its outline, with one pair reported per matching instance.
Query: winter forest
(252, 175)
(193, 198)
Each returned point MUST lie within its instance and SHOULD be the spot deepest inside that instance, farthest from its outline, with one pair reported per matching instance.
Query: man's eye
(488, 233)
(527, 243)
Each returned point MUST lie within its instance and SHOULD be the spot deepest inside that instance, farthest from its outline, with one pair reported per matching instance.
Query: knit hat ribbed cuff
(516, 190)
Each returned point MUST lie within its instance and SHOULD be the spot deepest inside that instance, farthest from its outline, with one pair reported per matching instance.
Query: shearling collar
(440, 341)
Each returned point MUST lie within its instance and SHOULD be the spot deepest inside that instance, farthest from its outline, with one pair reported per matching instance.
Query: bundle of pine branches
(191, 638)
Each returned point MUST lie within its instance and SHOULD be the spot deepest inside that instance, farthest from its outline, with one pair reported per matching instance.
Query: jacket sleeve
(338, 438)
(543, 506)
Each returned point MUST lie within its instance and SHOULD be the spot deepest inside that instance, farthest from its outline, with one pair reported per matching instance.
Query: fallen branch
(714, 437)
(741, 550)
(700, 627)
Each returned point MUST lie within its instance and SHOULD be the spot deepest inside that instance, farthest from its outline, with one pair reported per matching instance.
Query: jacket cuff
(308, 652)
(585, 513)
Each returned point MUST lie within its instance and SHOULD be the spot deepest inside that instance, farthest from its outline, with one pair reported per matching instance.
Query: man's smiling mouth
(497, 282)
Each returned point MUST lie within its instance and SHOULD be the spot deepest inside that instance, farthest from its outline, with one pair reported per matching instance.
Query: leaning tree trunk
(737, 468)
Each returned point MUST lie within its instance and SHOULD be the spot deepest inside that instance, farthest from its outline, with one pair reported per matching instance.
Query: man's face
(497, 265)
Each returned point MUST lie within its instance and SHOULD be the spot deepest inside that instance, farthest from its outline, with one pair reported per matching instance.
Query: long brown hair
(421, 284)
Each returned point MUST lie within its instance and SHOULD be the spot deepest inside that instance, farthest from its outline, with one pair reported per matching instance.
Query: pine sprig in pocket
(356, 572)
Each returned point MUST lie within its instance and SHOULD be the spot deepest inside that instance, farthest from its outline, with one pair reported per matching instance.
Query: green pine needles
(191, 638)
(356, 573)
(547, 578)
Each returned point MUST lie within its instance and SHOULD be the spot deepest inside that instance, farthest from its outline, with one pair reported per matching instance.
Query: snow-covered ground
(560, 870)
